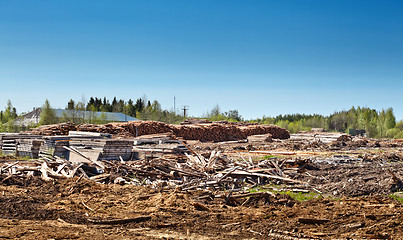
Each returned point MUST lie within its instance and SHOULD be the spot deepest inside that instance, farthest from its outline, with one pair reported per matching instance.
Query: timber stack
(205, 132)
(55, 145)
(260, 138)
(116, 149)
(29, 147)
(195, 121)
(54, 129)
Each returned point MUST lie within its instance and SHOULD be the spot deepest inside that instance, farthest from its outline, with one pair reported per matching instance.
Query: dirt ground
(353, 201)
(33, 209)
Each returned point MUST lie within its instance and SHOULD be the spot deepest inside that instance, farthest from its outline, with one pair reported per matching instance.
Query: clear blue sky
(260, 57)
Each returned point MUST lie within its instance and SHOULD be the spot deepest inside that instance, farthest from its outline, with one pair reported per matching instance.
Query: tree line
(141, 108)
(79, 112)
(377, 124)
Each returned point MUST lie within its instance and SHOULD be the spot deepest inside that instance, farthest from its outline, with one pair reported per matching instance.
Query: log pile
(260, 138)
(215, 132)
(139, 128)
(54, 129)
(275, 131)
(195, 121)
(208, 132)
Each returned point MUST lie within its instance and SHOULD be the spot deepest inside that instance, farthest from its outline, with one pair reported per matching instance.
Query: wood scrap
(120, 221)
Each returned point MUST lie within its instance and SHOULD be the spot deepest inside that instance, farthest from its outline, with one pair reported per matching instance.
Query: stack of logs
(54, 129)
(195, 121)
(215, 132)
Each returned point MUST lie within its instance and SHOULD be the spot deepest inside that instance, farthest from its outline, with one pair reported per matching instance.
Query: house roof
(108, 116)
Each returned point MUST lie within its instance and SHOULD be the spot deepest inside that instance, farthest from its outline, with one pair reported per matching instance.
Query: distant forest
(377, 124)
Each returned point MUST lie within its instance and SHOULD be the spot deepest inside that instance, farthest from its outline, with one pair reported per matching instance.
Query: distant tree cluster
(141, 108)
(10, 113)
(217, 115)
(378, 124)
(103, 105)
(7, 117)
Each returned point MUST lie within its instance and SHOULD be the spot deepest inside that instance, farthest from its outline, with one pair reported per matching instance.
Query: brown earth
(355, 181)
(33, 209)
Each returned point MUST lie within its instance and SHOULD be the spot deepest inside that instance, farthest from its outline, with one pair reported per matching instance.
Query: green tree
(10, 113)
(48, 115)
(400, 125)
(130, 108)
(393, 132)
(233, 115)
(390, 120)
(71, 105)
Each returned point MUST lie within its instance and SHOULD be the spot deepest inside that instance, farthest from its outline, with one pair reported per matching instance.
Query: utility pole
(185, 108)
(174, 105)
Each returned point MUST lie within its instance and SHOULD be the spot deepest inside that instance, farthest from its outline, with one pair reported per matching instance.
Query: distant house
(33, 117)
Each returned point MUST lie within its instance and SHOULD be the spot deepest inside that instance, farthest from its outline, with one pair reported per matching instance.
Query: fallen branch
(120, 221)
(312, 220)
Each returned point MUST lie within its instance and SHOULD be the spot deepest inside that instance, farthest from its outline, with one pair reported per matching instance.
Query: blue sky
(260, 57)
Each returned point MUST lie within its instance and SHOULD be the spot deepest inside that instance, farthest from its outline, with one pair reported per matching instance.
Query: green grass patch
(300, 196)
(297, 196)
(398, 197)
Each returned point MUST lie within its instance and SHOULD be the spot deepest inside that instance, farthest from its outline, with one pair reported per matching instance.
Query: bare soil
(33, 209)
(355, 183)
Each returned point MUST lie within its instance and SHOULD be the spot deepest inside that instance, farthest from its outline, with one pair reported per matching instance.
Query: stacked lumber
(116, 149)
(215, 132)
(87, 142)
(29, 147)
(159, 138)
(88, 134)
(54, 145)
(9, 147)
